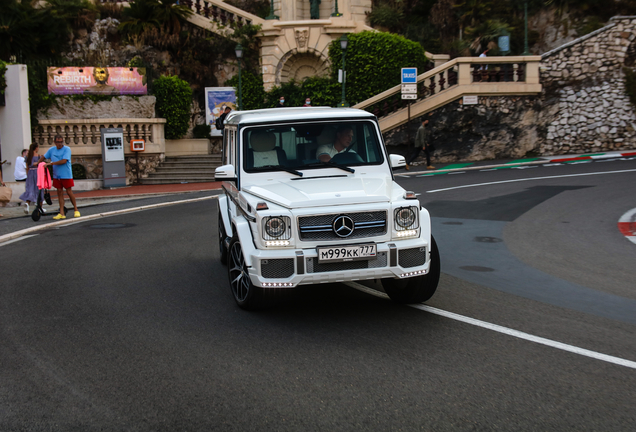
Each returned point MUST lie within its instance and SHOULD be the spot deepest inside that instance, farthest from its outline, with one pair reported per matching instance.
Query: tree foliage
(174, 99)
(143, 15)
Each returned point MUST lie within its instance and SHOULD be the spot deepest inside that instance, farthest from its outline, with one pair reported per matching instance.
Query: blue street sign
(409, 75)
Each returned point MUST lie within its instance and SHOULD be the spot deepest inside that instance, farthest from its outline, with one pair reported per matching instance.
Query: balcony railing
(84, 135)
(476, 76)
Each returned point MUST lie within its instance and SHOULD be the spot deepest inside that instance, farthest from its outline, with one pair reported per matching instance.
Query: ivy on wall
(174, 98)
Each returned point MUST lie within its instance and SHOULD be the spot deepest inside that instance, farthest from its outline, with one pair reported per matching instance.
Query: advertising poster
(216, 99)
(97, 80)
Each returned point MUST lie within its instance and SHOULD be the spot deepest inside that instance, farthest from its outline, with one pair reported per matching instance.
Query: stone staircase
(184, 169)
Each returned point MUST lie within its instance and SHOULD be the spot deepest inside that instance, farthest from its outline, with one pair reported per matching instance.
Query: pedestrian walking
(220, 121)
(20, 173)
(31, 191)
(60, 157)
(421, 143)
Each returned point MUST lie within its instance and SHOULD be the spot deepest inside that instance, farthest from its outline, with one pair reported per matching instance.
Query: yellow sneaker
(59, 216)
(430, 167)
(77, 214)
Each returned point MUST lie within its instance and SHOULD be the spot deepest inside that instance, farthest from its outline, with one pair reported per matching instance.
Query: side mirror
(225, 172)
(397, 161)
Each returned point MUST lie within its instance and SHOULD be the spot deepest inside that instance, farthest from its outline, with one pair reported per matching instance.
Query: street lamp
(239, 54)
(526, 51)
(271, 12)
(343, 45)
(336, 13)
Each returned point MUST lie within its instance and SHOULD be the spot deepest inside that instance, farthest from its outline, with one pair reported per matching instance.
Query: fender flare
(425, 225)
(243, 232)
(224, 212)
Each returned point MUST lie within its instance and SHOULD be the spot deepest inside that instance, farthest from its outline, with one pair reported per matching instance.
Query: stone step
(163, 180)
(202, 158)
(185, 165)
(182, 174)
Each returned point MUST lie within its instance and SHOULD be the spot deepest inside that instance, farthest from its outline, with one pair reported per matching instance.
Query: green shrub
(174, 98)
(374, 61)
(202, 131)
(79, 171)
(252, 89)
(3, 79)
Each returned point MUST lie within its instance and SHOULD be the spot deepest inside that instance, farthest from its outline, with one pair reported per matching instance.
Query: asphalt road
(127, 323)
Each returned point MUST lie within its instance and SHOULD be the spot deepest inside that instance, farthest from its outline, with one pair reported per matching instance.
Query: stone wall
(95, 168)
(583, 108)
(496, 128)
(584, 92)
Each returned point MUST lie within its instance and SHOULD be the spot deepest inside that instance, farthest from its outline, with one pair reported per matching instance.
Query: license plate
(346, 253)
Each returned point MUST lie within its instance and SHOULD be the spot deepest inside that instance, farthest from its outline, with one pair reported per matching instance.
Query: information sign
(409, 75)
(470, 100)
(409, 96)
(409, 88)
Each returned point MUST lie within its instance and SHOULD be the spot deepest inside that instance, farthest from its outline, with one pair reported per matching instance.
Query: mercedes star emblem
(343, 226)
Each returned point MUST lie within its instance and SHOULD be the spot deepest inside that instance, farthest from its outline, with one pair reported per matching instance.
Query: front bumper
(287, 268)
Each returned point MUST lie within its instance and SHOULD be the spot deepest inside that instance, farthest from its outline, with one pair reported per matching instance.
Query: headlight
(405, 218)
(276, 228)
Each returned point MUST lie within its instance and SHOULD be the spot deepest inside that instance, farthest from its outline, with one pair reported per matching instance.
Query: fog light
(277, 285)
(413, 273)
(277, 243)
(407, 233)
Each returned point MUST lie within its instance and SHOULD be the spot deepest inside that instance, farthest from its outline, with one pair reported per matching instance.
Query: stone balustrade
(462, 76)
(84, 136)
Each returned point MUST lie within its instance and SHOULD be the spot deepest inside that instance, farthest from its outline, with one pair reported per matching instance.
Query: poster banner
(97, 80)
(216, 99)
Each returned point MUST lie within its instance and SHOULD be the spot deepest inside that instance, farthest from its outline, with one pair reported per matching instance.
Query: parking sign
(409, 75)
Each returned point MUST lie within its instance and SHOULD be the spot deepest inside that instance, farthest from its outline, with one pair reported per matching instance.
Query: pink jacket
(44, 178)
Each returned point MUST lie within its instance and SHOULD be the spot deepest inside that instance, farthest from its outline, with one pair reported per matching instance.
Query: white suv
(309, 197)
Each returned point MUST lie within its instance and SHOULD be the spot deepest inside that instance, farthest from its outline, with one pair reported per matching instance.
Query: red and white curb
(627, 225)
(592, 157)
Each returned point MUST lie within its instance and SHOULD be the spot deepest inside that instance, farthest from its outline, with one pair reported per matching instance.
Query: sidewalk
(103, 196)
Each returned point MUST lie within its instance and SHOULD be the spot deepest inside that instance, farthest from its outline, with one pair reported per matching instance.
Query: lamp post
(239, 54)
(271, 15)
(343, 45)
(526, 51)
(336, 13)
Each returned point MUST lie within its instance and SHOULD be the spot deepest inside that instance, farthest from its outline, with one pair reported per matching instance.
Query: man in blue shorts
(60, 157)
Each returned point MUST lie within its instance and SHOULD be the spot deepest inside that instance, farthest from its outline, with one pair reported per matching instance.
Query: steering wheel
(346, 158)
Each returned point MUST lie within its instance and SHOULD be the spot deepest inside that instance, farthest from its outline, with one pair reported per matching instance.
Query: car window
(309, 145)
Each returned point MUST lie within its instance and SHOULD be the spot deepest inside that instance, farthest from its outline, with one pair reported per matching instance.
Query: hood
(320, 191)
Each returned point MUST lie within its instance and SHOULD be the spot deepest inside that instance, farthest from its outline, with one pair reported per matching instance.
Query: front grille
(314, 267)
(412, 257)
(277, 268)
(367, 224)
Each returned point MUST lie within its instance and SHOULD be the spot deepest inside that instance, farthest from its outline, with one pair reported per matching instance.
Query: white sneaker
(43, 210)
(26, 210)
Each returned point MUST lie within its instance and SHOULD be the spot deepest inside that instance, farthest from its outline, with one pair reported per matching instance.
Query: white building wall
(15, 121)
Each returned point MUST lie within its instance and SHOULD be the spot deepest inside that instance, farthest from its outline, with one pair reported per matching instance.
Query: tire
(417, 289)
(222, 237)
(248, 296)
(36, 215)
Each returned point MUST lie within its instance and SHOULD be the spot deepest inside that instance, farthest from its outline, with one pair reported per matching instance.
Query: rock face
(583, 108)
(118, 107)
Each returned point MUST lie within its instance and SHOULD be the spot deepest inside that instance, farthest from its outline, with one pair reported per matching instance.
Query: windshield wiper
(289, 170)
(331, 164)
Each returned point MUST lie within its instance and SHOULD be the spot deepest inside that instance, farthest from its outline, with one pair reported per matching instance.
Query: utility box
(113, 157)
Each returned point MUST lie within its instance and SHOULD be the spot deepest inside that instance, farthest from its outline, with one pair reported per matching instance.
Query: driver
(344, 137)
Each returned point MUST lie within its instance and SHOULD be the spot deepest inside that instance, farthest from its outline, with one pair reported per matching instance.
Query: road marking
(505, 330)
(18, 239)
(627, 225)
(530, 179)
(55, 225)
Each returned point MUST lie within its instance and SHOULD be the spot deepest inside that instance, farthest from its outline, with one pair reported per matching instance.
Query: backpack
(219, 124)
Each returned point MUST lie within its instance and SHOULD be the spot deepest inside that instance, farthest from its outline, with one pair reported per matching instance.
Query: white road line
(457, 172)
(18, 239)
(530, 179)
(55, 225)
(505, 330)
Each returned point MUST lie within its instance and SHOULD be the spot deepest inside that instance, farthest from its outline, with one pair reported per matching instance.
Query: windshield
(309, 146)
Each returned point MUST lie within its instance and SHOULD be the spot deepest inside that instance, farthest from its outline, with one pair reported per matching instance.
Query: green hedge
(174, 98)
(374, 61)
